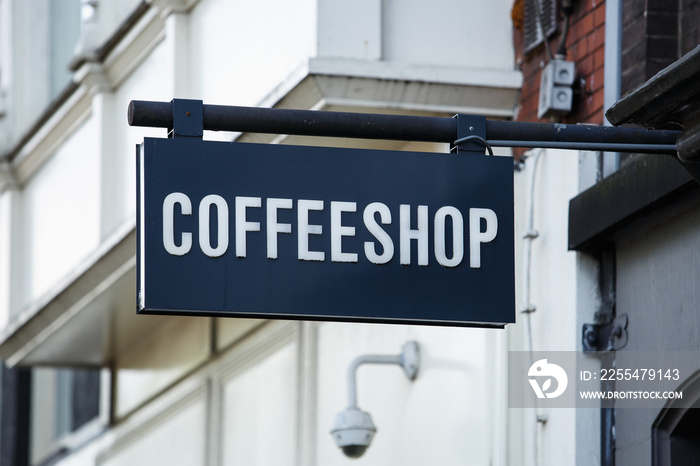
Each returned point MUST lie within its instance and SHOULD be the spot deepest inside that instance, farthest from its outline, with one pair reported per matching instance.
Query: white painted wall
(175, 439)
(60, 213)
(241, 51)
(6, 78)
(99, 21)
(237, 53)
(588, 302)
(152, 80)
(153, 363)
(563, 288)
(449, 33)
(553, 283)
(28, 64)
(259, 417)
(453, 413)
(350, 29)
(8, 252)
(466, 33)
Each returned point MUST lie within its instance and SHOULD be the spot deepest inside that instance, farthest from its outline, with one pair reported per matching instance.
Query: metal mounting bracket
(188, 118)
(610, 336)
(471, 134)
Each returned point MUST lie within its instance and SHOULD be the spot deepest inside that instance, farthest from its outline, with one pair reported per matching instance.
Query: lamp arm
(408, 360)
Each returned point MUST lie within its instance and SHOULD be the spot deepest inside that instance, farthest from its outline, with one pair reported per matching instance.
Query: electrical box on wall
(556, 94)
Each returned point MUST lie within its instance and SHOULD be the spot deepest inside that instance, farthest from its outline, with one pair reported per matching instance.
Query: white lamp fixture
(353, 430)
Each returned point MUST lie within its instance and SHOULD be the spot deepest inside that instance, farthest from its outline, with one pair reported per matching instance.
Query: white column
(350, 29)
(177, 28)
(612, 74)
(9, 197)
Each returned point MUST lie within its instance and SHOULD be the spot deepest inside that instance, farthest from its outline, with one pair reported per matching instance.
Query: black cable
(476, 138)
(567, 7)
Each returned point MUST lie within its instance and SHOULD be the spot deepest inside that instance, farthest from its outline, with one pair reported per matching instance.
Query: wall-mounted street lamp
(353, 429)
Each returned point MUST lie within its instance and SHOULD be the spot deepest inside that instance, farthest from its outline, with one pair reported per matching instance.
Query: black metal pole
(302, 122)
(407, 128)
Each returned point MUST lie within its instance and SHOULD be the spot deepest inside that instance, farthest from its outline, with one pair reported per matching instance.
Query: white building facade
(109, 387)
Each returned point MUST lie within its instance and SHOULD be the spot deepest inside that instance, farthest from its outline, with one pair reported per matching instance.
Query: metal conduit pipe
(531, 162)
(669, 149)
(408, 128)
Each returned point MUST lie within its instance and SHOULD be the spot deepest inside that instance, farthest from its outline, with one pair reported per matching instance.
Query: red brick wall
(585, 47)
(649, 40)
(690, 25)
(655, 33)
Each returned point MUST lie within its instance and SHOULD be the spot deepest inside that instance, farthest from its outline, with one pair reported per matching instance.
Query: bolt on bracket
(609, 336)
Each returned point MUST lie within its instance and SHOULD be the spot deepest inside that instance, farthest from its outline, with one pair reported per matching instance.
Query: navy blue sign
(234, 229)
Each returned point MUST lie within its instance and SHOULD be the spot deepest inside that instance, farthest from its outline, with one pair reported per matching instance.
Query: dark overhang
(669, 100)
(651, 188)
(644, 193)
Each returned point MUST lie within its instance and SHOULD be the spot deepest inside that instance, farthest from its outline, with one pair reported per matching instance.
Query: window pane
(65, 30)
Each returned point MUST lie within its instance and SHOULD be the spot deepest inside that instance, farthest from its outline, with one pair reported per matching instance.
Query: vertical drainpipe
(612, 73)
(611, 163)
(607, 314)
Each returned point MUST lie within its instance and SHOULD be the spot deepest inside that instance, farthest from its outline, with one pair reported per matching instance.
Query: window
(37, 43)
(63, 37)
(676, 431)
(62, 401)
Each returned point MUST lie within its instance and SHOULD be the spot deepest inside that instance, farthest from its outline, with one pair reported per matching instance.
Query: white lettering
(242, 224)
(420, 234)
(304, 230)
(273, 226)
(222, 225)
(457, 236)
(476, 236)
(379, 233)
(338, 231)
(169, 224)
(483, 228)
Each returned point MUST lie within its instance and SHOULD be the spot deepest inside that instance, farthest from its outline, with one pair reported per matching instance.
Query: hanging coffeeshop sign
(293, 232)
